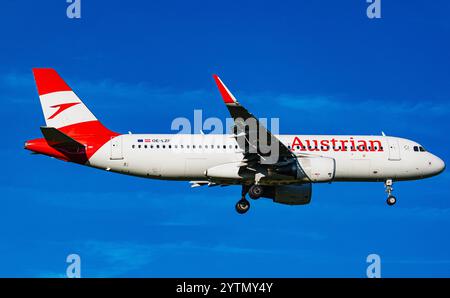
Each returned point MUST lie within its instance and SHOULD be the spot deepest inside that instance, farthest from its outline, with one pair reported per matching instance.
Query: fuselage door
(116, 148)
(394, 149)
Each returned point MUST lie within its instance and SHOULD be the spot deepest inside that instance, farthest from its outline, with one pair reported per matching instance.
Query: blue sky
(322, 67)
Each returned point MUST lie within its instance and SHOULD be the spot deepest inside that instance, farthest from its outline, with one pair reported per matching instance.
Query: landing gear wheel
(242, 206)
(256, 191)
(391, 200)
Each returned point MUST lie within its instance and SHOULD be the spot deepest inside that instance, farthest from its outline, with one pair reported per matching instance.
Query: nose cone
(439, 165)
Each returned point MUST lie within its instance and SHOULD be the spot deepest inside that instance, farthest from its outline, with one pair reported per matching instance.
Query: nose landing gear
(391, 200)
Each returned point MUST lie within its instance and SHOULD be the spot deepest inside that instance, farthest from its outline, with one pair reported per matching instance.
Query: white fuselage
(189, 157)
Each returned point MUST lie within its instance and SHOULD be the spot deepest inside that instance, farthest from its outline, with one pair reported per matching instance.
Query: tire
(256, 191)
(242, 206)
(391, 200)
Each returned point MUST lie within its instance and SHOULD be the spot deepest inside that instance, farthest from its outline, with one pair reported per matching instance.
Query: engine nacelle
(299, 194)
(318, 169)
(290, 169)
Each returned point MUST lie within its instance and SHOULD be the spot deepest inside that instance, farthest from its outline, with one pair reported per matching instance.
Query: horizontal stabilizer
(59, 140)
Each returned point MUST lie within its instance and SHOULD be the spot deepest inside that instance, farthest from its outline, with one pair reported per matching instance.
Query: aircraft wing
(259, 145)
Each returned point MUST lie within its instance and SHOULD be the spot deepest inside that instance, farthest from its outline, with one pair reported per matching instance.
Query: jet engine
(318, 169)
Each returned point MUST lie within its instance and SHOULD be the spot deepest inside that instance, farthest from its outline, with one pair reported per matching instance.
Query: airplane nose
(440, 165)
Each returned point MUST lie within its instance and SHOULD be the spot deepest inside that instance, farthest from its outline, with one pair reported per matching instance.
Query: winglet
(227, 96)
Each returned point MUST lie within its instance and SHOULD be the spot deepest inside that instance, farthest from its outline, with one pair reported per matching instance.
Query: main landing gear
(254, 191)
(243, 205)
(391, 200)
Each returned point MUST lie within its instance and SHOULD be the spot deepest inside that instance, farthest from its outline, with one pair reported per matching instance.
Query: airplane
(284, 173)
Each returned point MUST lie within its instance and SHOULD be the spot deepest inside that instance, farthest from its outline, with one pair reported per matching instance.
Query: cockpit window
(419, 148)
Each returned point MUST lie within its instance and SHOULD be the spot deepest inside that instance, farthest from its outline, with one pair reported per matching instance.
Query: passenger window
(145, 146)
(133, 146)
(139, 146)
(157, 146)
